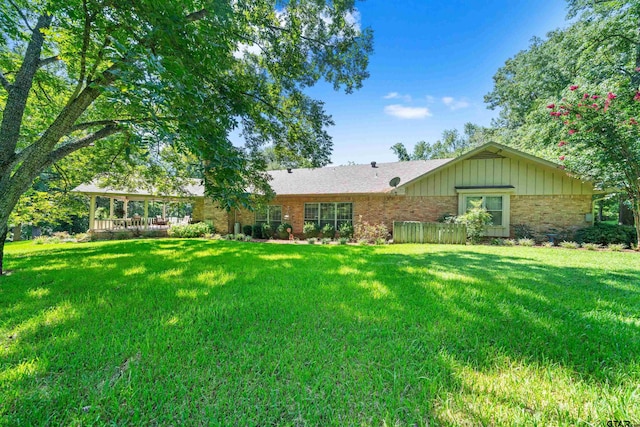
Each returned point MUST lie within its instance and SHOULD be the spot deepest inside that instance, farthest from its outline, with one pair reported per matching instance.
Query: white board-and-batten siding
(527, 178)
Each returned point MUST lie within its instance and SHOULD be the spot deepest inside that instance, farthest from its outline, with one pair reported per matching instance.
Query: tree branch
(22, 15)
(47, 61)
(5, 83)
(115, 122)
(70, 147)
(86, 38)
(197, 16)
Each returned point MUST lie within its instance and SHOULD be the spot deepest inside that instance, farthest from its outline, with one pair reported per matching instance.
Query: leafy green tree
(600, 53)
(452, 144)
(602, 140)
(85, 76)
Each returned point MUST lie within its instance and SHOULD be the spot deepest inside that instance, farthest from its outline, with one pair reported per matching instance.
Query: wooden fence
(429, 232)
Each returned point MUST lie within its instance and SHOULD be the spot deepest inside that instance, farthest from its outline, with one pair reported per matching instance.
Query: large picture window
(271, 214)
(493, 205)
(334, 214)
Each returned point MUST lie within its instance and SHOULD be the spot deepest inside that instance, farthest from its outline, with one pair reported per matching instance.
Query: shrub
(547, 244)
(82, 237)
(239, 237)
(267, 231)
(509, 242)
(310, 229)
(256, 231)
(526, 242)
(122, 235)
(380, 241)
(328, 231)
(282, 231)
(326, 240)
(363, 242)
(188, 231)
(606, 233)
(247, 230)
(152, 233)
(363, 231)
(591, 246)
(476, 219)
(345, 230)
(247, 238)
(447, 218)
(343, 240)
(616, 247)
(569, 245)
(497, 242)
(312, 240)
(523, 231)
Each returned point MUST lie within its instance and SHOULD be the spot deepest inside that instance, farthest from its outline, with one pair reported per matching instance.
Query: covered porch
(118, 210)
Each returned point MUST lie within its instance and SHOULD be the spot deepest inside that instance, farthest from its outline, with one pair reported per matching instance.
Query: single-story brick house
(515, 187)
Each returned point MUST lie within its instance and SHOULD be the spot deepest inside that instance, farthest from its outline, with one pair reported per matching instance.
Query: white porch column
(111, 207)
(92, 213)
(164, 210)
(126, 208)
(146, 214)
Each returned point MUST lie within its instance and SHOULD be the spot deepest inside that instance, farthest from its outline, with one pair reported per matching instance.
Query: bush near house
(310, 229)
(345, 230)
(247, 230)
(476, 219)
(605, 234)
(328, 231)
(363, 232)
(282, 232)
(199, 229)
(256, 231)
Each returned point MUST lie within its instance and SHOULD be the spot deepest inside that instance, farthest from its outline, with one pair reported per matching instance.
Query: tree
(602, 139)
(452, 144)
(83, 75)
(600, 53)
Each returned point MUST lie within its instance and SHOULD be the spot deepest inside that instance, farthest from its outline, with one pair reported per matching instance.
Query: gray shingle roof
(350, 179)
(353, 179)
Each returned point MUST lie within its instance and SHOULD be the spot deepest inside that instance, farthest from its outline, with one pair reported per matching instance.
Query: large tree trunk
(636, 219)
(3, 235)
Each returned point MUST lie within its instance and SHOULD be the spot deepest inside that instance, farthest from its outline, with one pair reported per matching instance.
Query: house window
(271, 214)
(493, 205)
(334, 214)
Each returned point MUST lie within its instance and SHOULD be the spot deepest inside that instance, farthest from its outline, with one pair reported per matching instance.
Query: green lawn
(171, 332)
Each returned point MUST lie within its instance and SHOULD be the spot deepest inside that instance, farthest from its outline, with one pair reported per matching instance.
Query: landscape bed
(200, 332)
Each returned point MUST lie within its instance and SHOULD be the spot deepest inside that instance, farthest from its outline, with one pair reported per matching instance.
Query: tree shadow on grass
(250, 333)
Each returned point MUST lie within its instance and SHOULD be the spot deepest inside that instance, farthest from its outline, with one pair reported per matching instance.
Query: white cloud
(403, 112)
(396, 95)
(455, 104)
(430, 99)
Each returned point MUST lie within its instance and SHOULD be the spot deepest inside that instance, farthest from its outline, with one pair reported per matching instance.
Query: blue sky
(433, 62)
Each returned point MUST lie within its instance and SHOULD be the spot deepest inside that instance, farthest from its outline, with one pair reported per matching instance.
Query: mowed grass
(195, 332)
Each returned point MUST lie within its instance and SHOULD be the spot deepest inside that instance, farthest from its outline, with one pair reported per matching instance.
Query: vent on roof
(373, 164)
(486, 154)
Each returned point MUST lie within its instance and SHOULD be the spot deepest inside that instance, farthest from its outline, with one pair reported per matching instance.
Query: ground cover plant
(214, 332)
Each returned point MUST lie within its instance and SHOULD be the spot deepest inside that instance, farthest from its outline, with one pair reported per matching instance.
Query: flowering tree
(602, 136)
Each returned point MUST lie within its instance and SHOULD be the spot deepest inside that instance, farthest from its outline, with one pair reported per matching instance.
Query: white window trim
(496, 230)
(335, 216)
(268, 221)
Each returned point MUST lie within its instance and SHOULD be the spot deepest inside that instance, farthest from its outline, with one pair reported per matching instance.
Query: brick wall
(539, 212)
(374, 208)
(545, 212)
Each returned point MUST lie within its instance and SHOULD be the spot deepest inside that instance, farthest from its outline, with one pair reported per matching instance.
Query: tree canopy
(119, 78)
(451, 144)
(586, 77)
